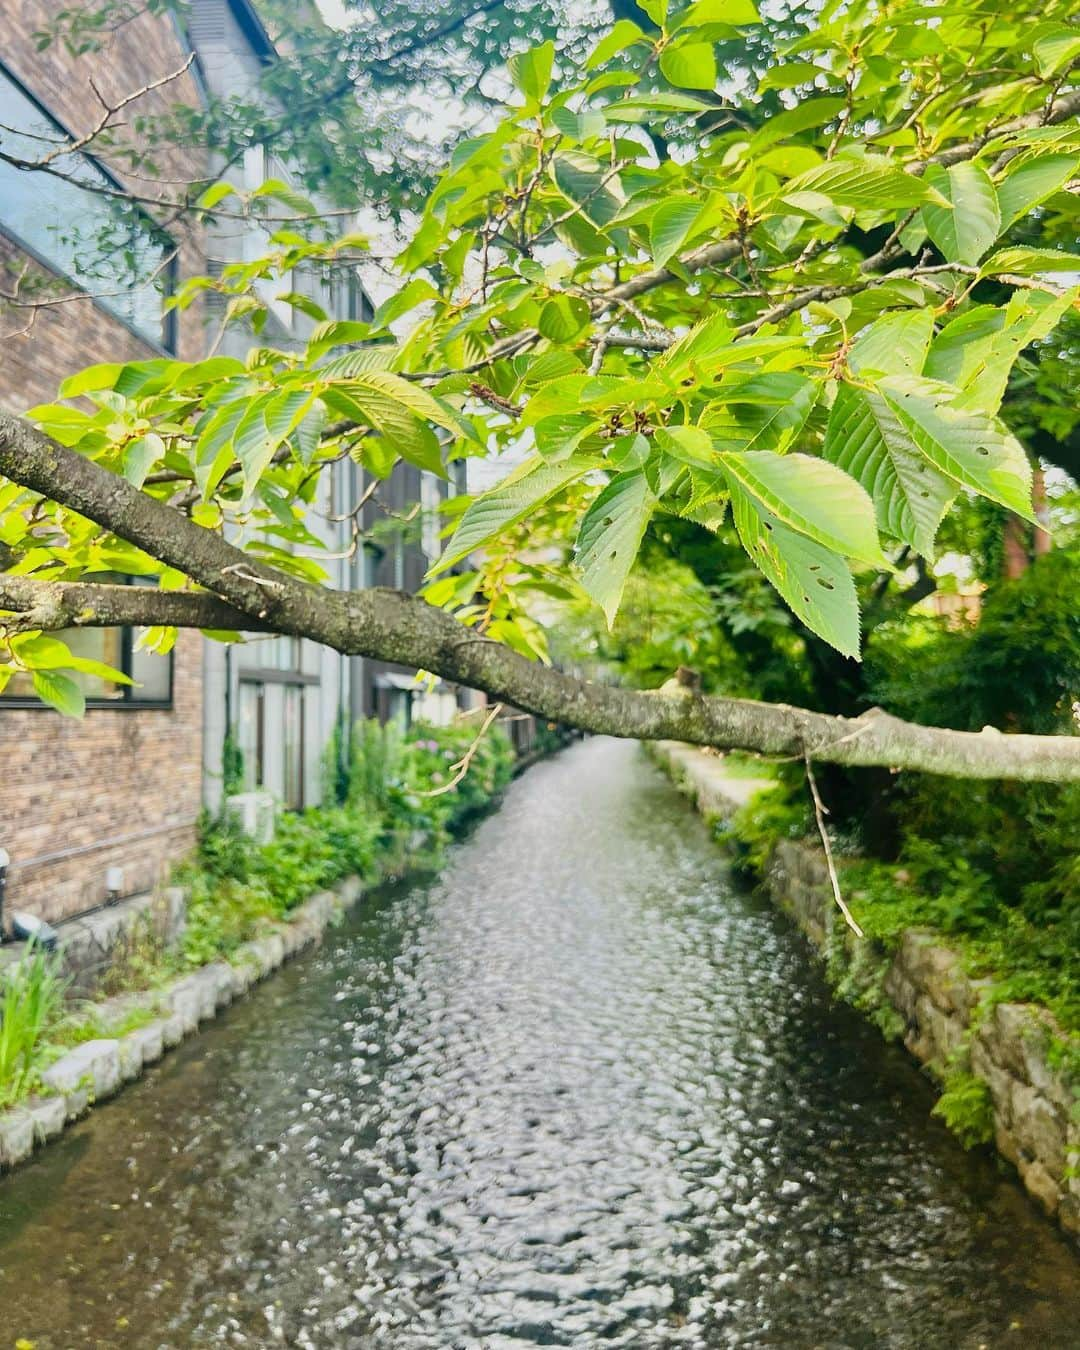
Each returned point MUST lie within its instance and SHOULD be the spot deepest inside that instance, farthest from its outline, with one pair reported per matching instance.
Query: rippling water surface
(579, 1091)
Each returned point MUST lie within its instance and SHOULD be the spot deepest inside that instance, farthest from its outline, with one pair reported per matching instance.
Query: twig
(461, 768)
(820, 812)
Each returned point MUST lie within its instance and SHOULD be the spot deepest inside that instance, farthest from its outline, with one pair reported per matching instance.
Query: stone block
(48, 1115)
(173, 1030)
(16, 1136)
(93, 1067)
(1010, 1024)
(899, 990)
(997, 1079)
(131, 1060)
(150, 1040)
(184, 1002)
(1038, 1128)
(1040, 1184)
(219, 981)
(1005, 1143)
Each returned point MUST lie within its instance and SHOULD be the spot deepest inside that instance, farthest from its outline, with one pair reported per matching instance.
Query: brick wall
(115, 789)
(119, 788)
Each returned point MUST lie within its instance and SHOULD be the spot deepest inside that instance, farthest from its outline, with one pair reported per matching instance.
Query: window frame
(167, 343)
(129, 699)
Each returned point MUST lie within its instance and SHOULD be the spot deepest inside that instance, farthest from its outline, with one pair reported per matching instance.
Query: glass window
(250, 733)
(292, 748)
(105, 245)
(115, 647)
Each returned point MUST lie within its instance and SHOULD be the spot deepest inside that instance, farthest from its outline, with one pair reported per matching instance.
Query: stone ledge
(1036, 1122)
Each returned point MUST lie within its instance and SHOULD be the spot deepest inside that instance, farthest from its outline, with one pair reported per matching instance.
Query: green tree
(705, 336)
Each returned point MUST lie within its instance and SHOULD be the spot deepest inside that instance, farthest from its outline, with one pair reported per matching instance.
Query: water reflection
(578, 1092)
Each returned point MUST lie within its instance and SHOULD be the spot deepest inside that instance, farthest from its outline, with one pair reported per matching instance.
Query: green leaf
(638, 107)
(563, 317)
(60, 692)
(253, 444)
(581, 179)
(141, 455)
(1056, 47)
(814, 581)
(690, 445)
(811, 496)
(1029, 182)
(531, 71)
(869, 183)
(672, 223)
(610, 537)
(979, 348)
(765, 412)
(968, 226)
(624, 34)
(895, 344)
(214, 195)
(705, 12)
(809, 114)
(689, 65)
(867, 440)
(579, 126)
(972, 448)
(1029, 262)
(508, 503)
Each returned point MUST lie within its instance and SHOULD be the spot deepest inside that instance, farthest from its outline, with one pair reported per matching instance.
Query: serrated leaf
(869, 183)
(965, 228)
(972, 448)
(812, 496)
(531, 71)
(624, 34)
(670, 227)
(1030, 182)
(563, 317)
(689, 445)
(867, 440)
(816, 583)
(1055, 47)
(60, 692)
(979, 348)
(1029, 262)
(895, 344)
(582, 181)
(689, 65)
(610, 537)
(141, 455)
(765, 412)
(507, 504)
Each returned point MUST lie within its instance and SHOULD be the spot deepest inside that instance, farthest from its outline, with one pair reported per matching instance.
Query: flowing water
(578, 1091)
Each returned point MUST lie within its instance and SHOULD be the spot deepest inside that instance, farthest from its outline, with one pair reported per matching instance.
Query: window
(103, 244)
(115, 647)
(270, 717)
(430, 524)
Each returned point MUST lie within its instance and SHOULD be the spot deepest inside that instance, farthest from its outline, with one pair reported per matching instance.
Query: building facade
(122, 787)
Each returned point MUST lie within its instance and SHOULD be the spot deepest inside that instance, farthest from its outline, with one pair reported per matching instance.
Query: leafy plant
(31, 997)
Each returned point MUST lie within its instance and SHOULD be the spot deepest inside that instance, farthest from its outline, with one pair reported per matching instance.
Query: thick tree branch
(391, 626)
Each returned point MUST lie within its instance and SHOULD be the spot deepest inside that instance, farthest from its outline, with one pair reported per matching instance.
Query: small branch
(820, 811)
(461, 768)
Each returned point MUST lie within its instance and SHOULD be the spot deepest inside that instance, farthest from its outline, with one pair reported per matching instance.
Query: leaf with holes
(814, 581)
(968, 225)
(895, 344)
(610, 536)
(867, 440)
(972, 448)
(1031, 181)
(811, 496)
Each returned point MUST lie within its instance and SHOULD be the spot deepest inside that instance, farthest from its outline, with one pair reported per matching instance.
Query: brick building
(122, 788)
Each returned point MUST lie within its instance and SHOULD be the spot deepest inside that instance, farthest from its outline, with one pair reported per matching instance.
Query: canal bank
(579, 1089)
(919, 992)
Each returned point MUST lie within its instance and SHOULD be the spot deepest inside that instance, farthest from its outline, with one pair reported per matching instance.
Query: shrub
(31, 998)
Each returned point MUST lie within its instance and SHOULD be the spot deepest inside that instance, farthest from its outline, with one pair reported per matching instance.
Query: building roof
(254, 30)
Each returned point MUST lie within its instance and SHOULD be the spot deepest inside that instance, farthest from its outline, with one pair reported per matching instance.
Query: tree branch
(391, 626)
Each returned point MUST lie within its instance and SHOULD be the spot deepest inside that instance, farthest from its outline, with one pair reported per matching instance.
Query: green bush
(31, 998)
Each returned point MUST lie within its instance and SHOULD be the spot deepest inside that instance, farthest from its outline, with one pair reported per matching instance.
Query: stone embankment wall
(921, 992)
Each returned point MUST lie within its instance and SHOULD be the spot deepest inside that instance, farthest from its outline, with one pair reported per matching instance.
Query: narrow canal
(578, 1091)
